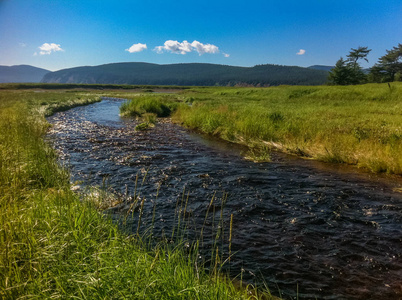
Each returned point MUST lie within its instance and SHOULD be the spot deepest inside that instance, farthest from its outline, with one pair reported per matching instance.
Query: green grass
(161, 106)
(359, 125)
(56, 244)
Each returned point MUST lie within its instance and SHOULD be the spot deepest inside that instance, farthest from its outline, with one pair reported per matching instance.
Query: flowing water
(308, 229)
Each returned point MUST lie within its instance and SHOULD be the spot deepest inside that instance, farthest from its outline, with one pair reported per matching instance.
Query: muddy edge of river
(330, 231)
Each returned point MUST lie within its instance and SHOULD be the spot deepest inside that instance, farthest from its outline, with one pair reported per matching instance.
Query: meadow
(55, 243)
(359, 125)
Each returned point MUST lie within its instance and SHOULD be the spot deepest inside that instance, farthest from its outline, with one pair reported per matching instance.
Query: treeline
(348, 71)
(70, 86)
(191, 74)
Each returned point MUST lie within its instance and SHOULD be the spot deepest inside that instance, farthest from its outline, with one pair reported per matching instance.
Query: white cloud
(225, 54)
(22, 45)
(137, 48)
(47, 48)
(301, 52)
(185, 47)
(174, 47)
(204, 48)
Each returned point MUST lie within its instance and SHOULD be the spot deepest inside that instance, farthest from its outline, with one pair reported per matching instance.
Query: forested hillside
(321, 67)
(188, 74)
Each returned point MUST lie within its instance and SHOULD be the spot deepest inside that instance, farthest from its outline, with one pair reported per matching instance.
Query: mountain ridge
(21, 74)
(186, 74)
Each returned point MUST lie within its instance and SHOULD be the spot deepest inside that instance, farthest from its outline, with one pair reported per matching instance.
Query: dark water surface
(332, 232)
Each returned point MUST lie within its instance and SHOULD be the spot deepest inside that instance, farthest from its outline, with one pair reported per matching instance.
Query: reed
(230, 237)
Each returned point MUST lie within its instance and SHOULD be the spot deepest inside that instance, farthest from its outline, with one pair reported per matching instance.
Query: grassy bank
(359, 125)
(55, 245)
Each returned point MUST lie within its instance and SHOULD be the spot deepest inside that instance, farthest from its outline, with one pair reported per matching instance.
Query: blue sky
(61, 34)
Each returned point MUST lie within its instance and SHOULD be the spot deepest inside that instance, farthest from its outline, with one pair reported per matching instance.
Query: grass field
(56, 244)
(359, 125)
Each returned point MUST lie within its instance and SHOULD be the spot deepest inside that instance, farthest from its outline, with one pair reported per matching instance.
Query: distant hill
(187, 74)
(321, 67)
(329, 68)
(21, 73)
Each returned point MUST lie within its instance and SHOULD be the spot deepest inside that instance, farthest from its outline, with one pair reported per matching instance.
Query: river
(308, 229)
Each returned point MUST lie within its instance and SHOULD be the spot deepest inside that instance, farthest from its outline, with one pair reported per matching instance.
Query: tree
(388, 66)
(356, 54)
(341, 74)
(349, 71)
(377, 74)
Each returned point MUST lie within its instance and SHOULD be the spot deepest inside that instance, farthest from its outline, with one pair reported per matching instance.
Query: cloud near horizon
(137, 48)
(301, 52)
(186, 47)
(47, 48)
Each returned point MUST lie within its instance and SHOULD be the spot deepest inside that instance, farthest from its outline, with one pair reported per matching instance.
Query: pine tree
(356, 54)
(388, 66)
(341, 73)
(349, 71)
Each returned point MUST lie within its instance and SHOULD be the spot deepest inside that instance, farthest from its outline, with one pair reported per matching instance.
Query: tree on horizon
(349, 71)
(388, 66)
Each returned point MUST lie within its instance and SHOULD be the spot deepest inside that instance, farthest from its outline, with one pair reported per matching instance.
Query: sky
(59, 34)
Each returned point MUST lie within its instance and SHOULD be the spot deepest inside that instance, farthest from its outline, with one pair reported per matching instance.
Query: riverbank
(55, 244)
(357, 125)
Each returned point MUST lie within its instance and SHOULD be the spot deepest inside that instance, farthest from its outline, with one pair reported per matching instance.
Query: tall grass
(360, 125)
(54, 244)
(161, 106)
